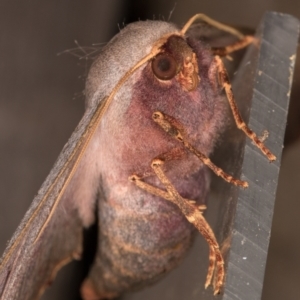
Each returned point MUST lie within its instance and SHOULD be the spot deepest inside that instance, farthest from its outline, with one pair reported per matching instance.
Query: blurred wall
(41, 101)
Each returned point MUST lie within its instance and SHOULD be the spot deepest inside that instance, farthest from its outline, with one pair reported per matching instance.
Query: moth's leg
(160, 193)
(244, 40)
(211, 22)
(242, 43)
(170, 127)
(194, 216)
(224, 81)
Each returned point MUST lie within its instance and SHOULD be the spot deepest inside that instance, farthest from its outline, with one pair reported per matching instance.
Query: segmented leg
(166, 123)
(213, 23)
(194, 216)
(244, 42)
(236, 114)
(160, 193)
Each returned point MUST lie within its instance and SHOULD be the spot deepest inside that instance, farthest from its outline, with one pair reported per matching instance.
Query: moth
(155, 105)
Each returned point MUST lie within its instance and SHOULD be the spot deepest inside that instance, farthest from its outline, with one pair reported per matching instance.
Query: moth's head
(176, 59)
(158, 43)
(161, 43)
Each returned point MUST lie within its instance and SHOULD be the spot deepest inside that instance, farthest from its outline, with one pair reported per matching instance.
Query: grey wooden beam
(272, 79)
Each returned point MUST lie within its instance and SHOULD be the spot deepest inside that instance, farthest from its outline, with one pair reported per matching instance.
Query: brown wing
(50, 235)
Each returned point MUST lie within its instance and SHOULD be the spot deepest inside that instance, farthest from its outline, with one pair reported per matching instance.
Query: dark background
(41, 102)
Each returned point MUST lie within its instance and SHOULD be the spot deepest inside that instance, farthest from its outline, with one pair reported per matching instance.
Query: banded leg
(211, 22)
(168, 125)
(242, 43)
(236, 114)
(160, 193)
(194, 216)
(244, 40)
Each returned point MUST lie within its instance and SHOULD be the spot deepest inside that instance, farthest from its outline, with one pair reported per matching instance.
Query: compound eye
(164, 66)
